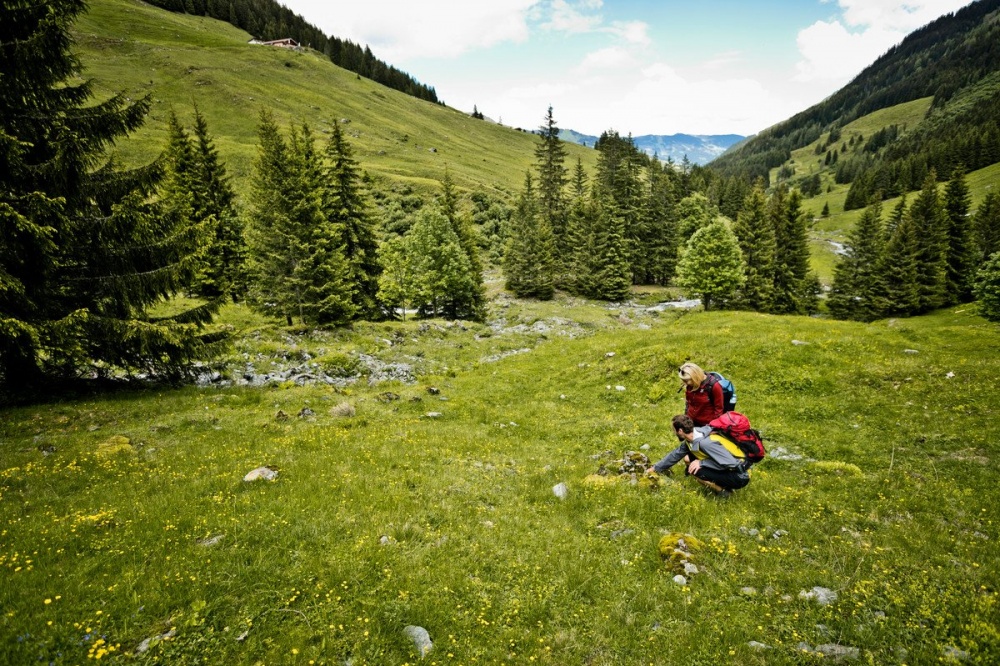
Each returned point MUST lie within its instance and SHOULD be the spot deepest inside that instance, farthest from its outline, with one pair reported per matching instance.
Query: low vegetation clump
(458, 506)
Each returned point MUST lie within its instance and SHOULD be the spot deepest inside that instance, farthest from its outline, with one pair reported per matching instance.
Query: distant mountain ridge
(698, 148)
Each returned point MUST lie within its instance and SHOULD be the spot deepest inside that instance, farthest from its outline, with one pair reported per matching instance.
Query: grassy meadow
(125, 517)
(181, 60)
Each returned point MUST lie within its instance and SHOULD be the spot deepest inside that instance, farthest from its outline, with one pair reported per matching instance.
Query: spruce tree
(467, 238)
(711, 265)
(660, 223)
(755, 233)
(611, 276)
(858, 290)
(85, 247)
(346, 206)
(929, 227)
(960, 251)
(297, 260)
(987, 225)
(987, 288)
(550, 158)
(791, 266)
(529, 259)
(223, 272)
(900, 269)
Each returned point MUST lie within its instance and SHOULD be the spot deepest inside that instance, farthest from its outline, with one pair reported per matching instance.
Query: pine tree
(611, 276)
(927, 216)
(550, 158)
(711, 265)
(297, 261)
(755, 233)
(85, 247)
(791, 271)
(529, 260)
(224, 272)
(960, 250)
(466, 233)
(987, 225)
(346, 206)
(858, 290)
(900, 269)
(660, 223)
(987, 288)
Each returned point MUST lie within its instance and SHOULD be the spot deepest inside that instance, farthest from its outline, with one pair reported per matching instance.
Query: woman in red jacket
(702, 395)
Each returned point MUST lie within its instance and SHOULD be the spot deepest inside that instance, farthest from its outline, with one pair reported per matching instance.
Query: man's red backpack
(736, 428)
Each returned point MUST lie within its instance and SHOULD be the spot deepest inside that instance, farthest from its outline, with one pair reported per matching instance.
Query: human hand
(693, 467)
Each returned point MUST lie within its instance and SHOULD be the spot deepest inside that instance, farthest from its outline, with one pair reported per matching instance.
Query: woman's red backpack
(736, 428)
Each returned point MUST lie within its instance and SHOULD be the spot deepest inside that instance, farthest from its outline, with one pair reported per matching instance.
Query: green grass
(390, 518)
(183, 60)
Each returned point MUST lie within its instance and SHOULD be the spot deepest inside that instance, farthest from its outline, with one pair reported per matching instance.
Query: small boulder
(265, 473)
(421, 639)
(560, 490)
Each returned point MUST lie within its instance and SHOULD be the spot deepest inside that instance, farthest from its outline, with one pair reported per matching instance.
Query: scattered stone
(562, 396)
(421, 639)
(609, 355)
(644, 447)
(758, 646)
(680, 580)
(752, 532)
(781, 453)
(433, 415)
(910, 351)
(950, 375)
(838, 651)
(265, 473)
(488, 524)
(387, 396)
(821, 595)
(433, 390)
(306, 412)
(690, 569)
(114, 445)
(47, 449)
(93, 427)
(778, 534)
(210, 541)
(799, 343)
(953, 653)
(281, 416)
(343, 410)
(560, 490)
(386, 540)
(617, 534)
(619, 388)
(153, 640)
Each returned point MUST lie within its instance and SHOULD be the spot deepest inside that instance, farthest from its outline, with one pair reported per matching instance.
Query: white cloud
(633, 32)
(570, 19)
(611, 58)
(400, 30)
(838, 50)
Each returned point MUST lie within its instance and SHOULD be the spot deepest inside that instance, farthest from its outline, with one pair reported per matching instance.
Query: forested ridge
(268, 19)
(953, 59)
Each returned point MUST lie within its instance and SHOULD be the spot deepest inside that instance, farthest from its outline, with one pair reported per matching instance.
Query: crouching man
(714, 461)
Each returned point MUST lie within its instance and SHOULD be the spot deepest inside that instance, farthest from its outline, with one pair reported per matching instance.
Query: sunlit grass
(880, 491)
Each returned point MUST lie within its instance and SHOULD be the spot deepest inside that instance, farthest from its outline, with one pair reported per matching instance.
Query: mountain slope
(944, 60)
(182, 60)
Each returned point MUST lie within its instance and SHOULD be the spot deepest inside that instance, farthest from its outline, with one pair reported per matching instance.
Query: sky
(638, 67)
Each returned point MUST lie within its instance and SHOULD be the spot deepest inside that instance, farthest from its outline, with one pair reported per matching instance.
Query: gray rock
(421, 639)
(680, 580)
(838, 651)
(821, 595)
(433, 415)
(265, 473)
(211, 541)
(953, 653)
(149, 642)
(560, 490)
(690, 569)
(758, 646)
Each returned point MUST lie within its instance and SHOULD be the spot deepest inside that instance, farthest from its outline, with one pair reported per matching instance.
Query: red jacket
(704, 403)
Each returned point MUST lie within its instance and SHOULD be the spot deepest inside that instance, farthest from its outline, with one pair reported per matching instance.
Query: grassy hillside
(183, 60)
(125, 517)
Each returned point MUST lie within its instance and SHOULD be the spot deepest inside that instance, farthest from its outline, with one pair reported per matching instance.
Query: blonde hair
(691, 374)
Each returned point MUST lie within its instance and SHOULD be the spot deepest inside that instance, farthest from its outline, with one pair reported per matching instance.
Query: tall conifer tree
(901, 269)
(466, 233)
(529, 260)
(987, 225)
(960, 251)
(930, 231)
(346, 206)
(85, 250)
(859, 289)
(550, 158)
(755, 233)
(791, 266)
